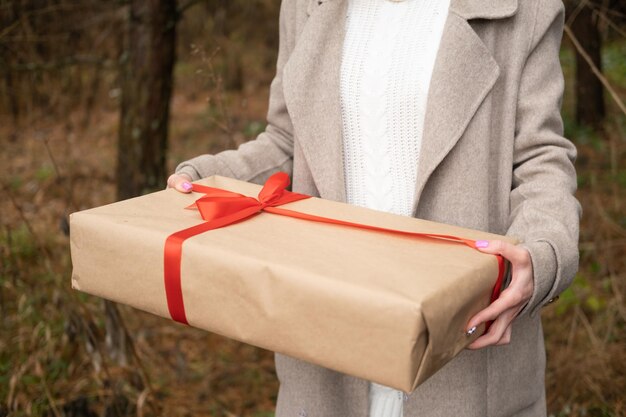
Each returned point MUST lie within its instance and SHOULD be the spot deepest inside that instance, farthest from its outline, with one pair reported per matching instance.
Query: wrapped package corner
(387, 308)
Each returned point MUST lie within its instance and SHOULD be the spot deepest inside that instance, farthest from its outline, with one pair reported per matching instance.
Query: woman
(447, 112)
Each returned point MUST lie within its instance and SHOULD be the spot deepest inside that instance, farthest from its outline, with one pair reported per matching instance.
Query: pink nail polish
(482, 243)
(187, 186)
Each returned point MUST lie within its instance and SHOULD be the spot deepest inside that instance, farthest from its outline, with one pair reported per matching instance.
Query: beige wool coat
(493, 158)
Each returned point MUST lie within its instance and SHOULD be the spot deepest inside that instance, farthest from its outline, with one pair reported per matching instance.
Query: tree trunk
(142, 142)
(589, 91)
(146, 91)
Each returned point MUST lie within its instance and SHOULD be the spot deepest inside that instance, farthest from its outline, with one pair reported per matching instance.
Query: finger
(496, 331)
(180, 182)
(506, 337)
(510, 298)
(513, 253)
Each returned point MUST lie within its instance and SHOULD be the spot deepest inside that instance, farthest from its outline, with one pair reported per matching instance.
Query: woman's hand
(180, 182)
(511, 301)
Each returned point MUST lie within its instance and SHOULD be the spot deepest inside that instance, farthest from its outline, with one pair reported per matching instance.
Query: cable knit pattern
(388, 56)
(372, 109)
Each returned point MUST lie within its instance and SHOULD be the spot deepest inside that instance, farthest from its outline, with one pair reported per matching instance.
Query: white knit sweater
(388, 56)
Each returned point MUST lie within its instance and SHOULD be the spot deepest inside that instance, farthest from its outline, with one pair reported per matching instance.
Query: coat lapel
(311, 89)
(463, 75)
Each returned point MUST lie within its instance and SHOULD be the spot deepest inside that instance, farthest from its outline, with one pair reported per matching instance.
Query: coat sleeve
(544, 212)
(272, 150)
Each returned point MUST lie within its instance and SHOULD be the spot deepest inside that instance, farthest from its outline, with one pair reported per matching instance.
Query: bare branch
(65, 62)
(599, 12)
(595, 69)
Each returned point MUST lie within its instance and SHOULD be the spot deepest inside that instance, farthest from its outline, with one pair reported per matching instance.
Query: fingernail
(470, 331)
(482, 243)
(187, 186)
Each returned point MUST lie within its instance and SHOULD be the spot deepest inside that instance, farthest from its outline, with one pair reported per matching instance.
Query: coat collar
(483, 9)
(464, 74)
(467, 9)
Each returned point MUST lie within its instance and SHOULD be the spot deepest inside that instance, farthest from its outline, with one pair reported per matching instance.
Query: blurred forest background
(88, 85)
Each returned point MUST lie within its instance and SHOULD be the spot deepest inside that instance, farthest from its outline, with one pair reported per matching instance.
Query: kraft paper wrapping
(387, 308)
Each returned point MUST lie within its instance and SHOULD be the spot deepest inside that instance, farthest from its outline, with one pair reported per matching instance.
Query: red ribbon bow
(220, 208)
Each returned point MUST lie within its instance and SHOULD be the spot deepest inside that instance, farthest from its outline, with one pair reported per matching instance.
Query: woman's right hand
(180, 182)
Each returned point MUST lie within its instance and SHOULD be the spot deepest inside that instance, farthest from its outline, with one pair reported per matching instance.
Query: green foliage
(20, 245)
(620, 177)
(595, 303)
(44, 173)
(614, 62)
(253, 128)
(583, 294)
(567, 300)
(15, 182)
(582, 134)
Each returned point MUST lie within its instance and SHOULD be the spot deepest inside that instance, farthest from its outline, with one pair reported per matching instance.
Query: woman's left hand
(511, 301)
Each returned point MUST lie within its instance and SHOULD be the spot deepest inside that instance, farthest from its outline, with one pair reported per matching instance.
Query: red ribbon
(221, 208)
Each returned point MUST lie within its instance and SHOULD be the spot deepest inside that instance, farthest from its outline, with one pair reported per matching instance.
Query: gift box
(363, 292)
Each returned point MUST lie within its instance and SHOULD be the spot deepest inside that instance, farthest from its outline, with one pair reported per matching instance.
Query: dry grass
(54, 354)
(586, 329)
